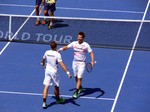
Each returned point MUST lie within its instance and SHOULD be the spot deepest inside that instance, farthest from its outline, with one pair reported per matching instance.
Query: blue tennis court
(119, 81)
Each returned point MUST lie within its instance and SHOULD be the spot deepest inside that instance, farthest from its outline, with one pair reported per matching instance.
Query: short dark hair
(82, 34)
(53, 45)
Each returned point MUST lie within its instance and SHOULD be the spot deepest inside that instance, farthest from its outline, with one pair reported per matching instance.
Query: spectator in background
(37, 7)
(49, 5)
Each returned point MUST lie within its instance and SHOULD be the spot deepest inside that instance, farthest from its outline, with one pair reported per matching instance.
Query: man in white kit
(80, 49)
(51, 59)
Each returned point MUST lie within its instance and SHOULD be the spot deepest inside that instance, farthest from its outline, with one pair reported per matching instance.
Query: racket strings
(89, 67)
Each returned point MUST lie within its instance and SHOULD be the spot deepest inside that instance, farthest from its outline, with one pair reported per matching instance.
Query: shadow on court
(85, 92)
(69, 100)
(89, 91)
(59, 24)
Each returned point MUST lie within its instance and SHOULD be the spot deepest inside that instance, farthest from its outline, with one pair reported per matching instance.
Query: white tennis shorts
(50, 78)
(78, 68)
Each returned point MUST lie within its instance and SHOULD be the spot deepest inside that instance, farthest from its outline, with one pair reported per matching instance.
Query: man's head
(81, 37)
(53, 45)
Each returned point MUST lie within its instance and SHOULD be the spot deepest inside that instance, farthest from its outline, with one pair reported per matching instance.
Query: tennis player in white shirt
(51, 59)
(80, 49)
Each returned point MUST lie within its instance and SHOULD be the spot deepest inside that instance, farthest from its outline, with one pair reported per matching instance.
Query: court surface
(119, 81)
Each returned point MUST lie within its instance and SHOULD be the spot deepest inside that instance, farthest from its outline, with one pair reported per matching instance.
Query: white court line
(78, 18)
(39, 94)
(101, 10)
(80, 9)
(16, 32)
(129, 59)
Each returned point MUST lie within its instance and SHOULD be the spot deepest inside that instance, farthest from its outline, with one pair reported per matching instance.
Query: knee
(46, 13)
(37, 7)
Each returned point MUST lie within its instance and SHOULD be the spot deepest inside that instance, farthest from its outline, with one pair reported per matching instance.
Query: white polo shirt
(52, 59)
(80, 50)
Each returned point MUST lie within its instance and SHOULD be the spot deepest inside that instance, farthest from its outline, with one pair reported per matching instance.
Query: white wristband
(67, 72)
(61, 49)
(42, 64)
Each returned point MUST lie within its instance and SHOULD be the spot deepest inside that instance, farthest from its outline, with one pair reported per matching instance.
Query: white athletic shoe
(44, 105)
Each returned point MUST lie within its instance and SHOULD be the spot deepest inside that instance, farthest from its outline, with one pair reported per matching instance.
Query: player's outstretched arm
(62, 48)
(43, 62)
(92, 58)
(65, 69)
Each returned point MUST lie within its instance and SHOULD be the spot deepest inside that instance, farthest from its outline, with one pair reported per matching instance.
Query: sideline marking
(16, 32)
(39, 94)
(129, 59)
(81, 9)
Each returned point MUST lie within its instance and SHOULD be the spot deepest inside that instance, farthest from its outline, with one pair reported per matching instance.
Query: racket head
(89, 67)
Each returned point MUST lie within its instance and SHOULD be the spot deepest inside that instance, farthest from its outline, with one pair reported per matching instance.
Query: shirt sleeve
(44, 56)
(59, 58)
(70, 45)
(89, 49)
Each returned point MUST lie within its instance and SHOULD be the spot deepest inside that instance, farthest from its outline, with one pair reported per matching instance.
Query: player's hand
(43, 65)
(69, 76)
(93, 63)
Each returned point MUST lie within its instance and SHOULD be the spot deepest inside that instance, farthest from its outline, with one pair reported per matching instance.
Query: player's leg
(74, 68)
(37, 10)
(51, 20)
(45, 93)
(79, 71)
(78, 88)
(46, 8)
(57, 95)
(47, 82)
(78, 82)
(79, 85)
(75, 79)
(52, 10)
(56, 81)
(56, 92)
(38, 3)
(46, 14)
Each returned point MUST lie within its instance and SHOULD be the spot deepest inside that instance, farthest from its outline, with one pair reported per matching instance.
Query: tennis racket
(89, 67)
